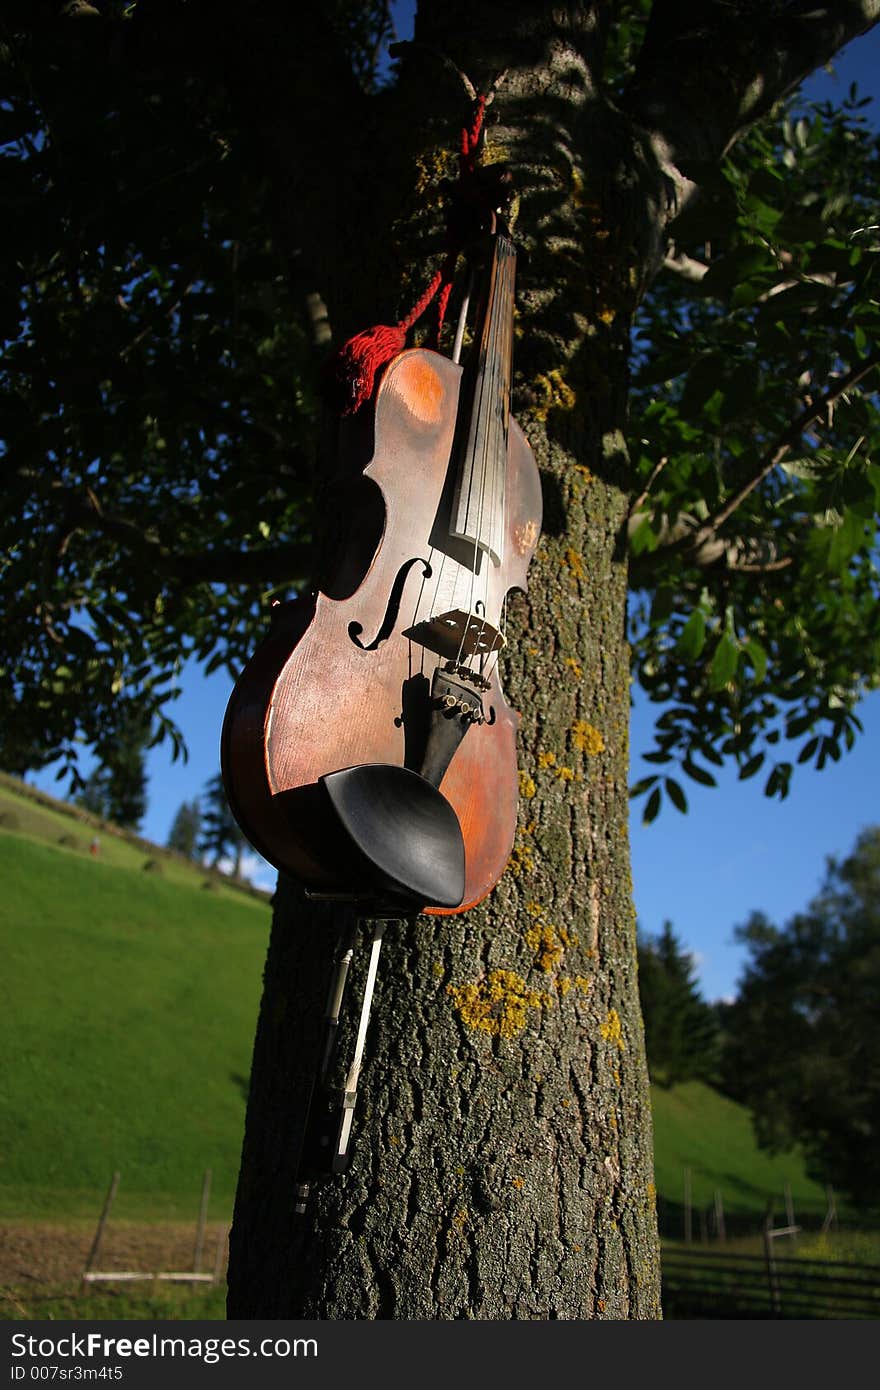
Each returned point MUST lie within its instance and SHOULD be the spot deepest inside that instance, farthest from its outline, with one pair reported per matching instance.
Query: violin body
(345, 676)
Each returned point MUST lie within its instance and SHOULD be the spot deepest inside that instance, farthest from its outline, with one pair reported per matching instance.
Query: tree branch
(290, 563)
(706, 73)
(786, 441)
(687, 267)
(700, 539)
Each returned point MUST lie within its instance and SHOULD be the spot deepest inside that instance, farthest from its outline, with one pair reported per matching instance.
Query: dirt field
(40, 1262)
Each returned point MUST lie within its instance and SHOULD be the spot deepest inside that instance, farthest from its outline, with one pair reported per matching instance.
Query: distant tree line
(211, 834)
(802, 1038)
(800, 1044)
(116, 790)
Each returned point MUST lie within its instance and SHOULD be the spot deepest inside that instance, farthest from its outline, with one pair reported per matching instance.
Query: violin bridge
(456, 633)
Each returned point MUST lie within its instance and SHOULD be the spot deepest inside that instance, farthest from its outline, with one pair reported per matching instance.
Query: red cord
(357, 364)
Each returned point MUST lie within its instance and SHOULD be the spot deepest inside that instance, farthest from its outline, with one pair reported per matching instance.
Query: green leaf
(757, 656)
(730, 270)
(693, 637)
(652, 806)
(676, 795)
(662, 605)
(639, 788)
(699, 774)
(644, 537)
(724, 662)
(702, 382)
(753, 765)
(808, 750)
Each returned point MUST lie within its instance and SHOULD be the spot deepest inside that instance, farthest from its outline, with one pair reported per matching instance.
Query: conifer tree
(681, 1030)
(220, 836)
(184, 833)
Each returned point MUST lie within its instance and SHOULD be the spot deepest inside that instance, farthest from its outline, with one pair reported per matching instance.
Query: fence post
(220, 1254)
(772, 1274)
(203, 1216)
(830, 1222)
(102, 1222)
(688, 1223)
(719, 1216)
(789, 1208)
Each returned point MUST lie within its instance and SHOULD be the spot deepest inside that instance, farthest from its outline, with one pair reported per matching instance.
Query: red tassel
(351, 373)
(355, 367)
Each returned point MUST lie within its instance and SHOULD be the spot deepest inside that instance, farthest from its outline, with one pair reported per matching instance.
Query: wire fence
(699, 1283)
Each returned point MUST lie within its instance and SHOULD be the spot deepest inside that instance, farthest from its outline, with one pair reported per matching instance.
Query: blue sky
(733, 852)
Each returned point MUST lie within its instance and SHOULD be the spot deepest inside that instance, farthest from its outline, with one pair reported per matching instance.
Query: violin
(368, 749)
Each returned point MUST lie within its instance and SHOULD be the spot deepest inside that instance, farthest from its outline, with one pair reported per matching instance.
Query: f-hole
(391, 612)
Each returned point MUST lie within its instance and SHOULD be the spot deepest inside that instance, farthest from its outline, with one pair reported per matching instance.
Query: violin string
(496, 447)
(505, 356)
(487, 392)
(478, 414)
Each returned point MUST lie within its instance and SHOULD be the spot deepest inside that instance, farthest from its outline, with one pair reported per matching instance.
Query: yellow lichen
(586, 738)
(575, 563)
(553, 393)
(565, 774)
(544, 939)
(534, 909)
(546, 759)
(574, 665)
(521, 860)
(563, 984)
(612, 1030)
(527, 786)
(517, 1183)
(498, 1004)
(583, 982)
(431, 168)
(437, 970)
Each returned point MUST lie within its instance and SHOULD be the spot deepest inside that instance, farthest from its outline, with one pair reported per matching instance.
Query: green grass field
(129, 1004)
(130, 1001)
(698, 1129)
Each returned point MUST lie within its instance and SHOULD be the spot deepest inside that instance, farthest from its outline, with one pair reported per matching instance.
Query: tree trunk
(502, 1152)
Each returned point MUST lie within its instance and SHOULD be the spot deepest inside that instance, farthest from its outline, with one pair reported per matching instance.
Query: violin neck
(478, 504)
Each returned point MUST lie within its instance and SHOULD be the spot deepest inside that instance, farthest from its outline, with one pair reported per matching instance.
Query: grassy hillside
(696, 1128)
(33, 815)
(129, 1003)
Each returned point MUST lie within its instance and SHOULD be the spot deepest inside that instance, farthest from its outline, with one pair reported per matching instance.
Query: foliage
(681, 1030)
(756, 430)
(158, 403)
(184, 833)
(151, 395)
(117, 788)
(802, 1039)
(220, 836)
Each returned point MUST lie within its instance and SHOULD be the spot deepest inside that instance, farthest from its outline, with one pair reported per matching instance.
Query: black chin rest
(406, 830)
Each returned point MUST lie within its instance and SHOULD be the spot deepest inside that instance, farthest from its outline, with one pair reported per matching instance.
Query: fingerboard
(478, 502)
